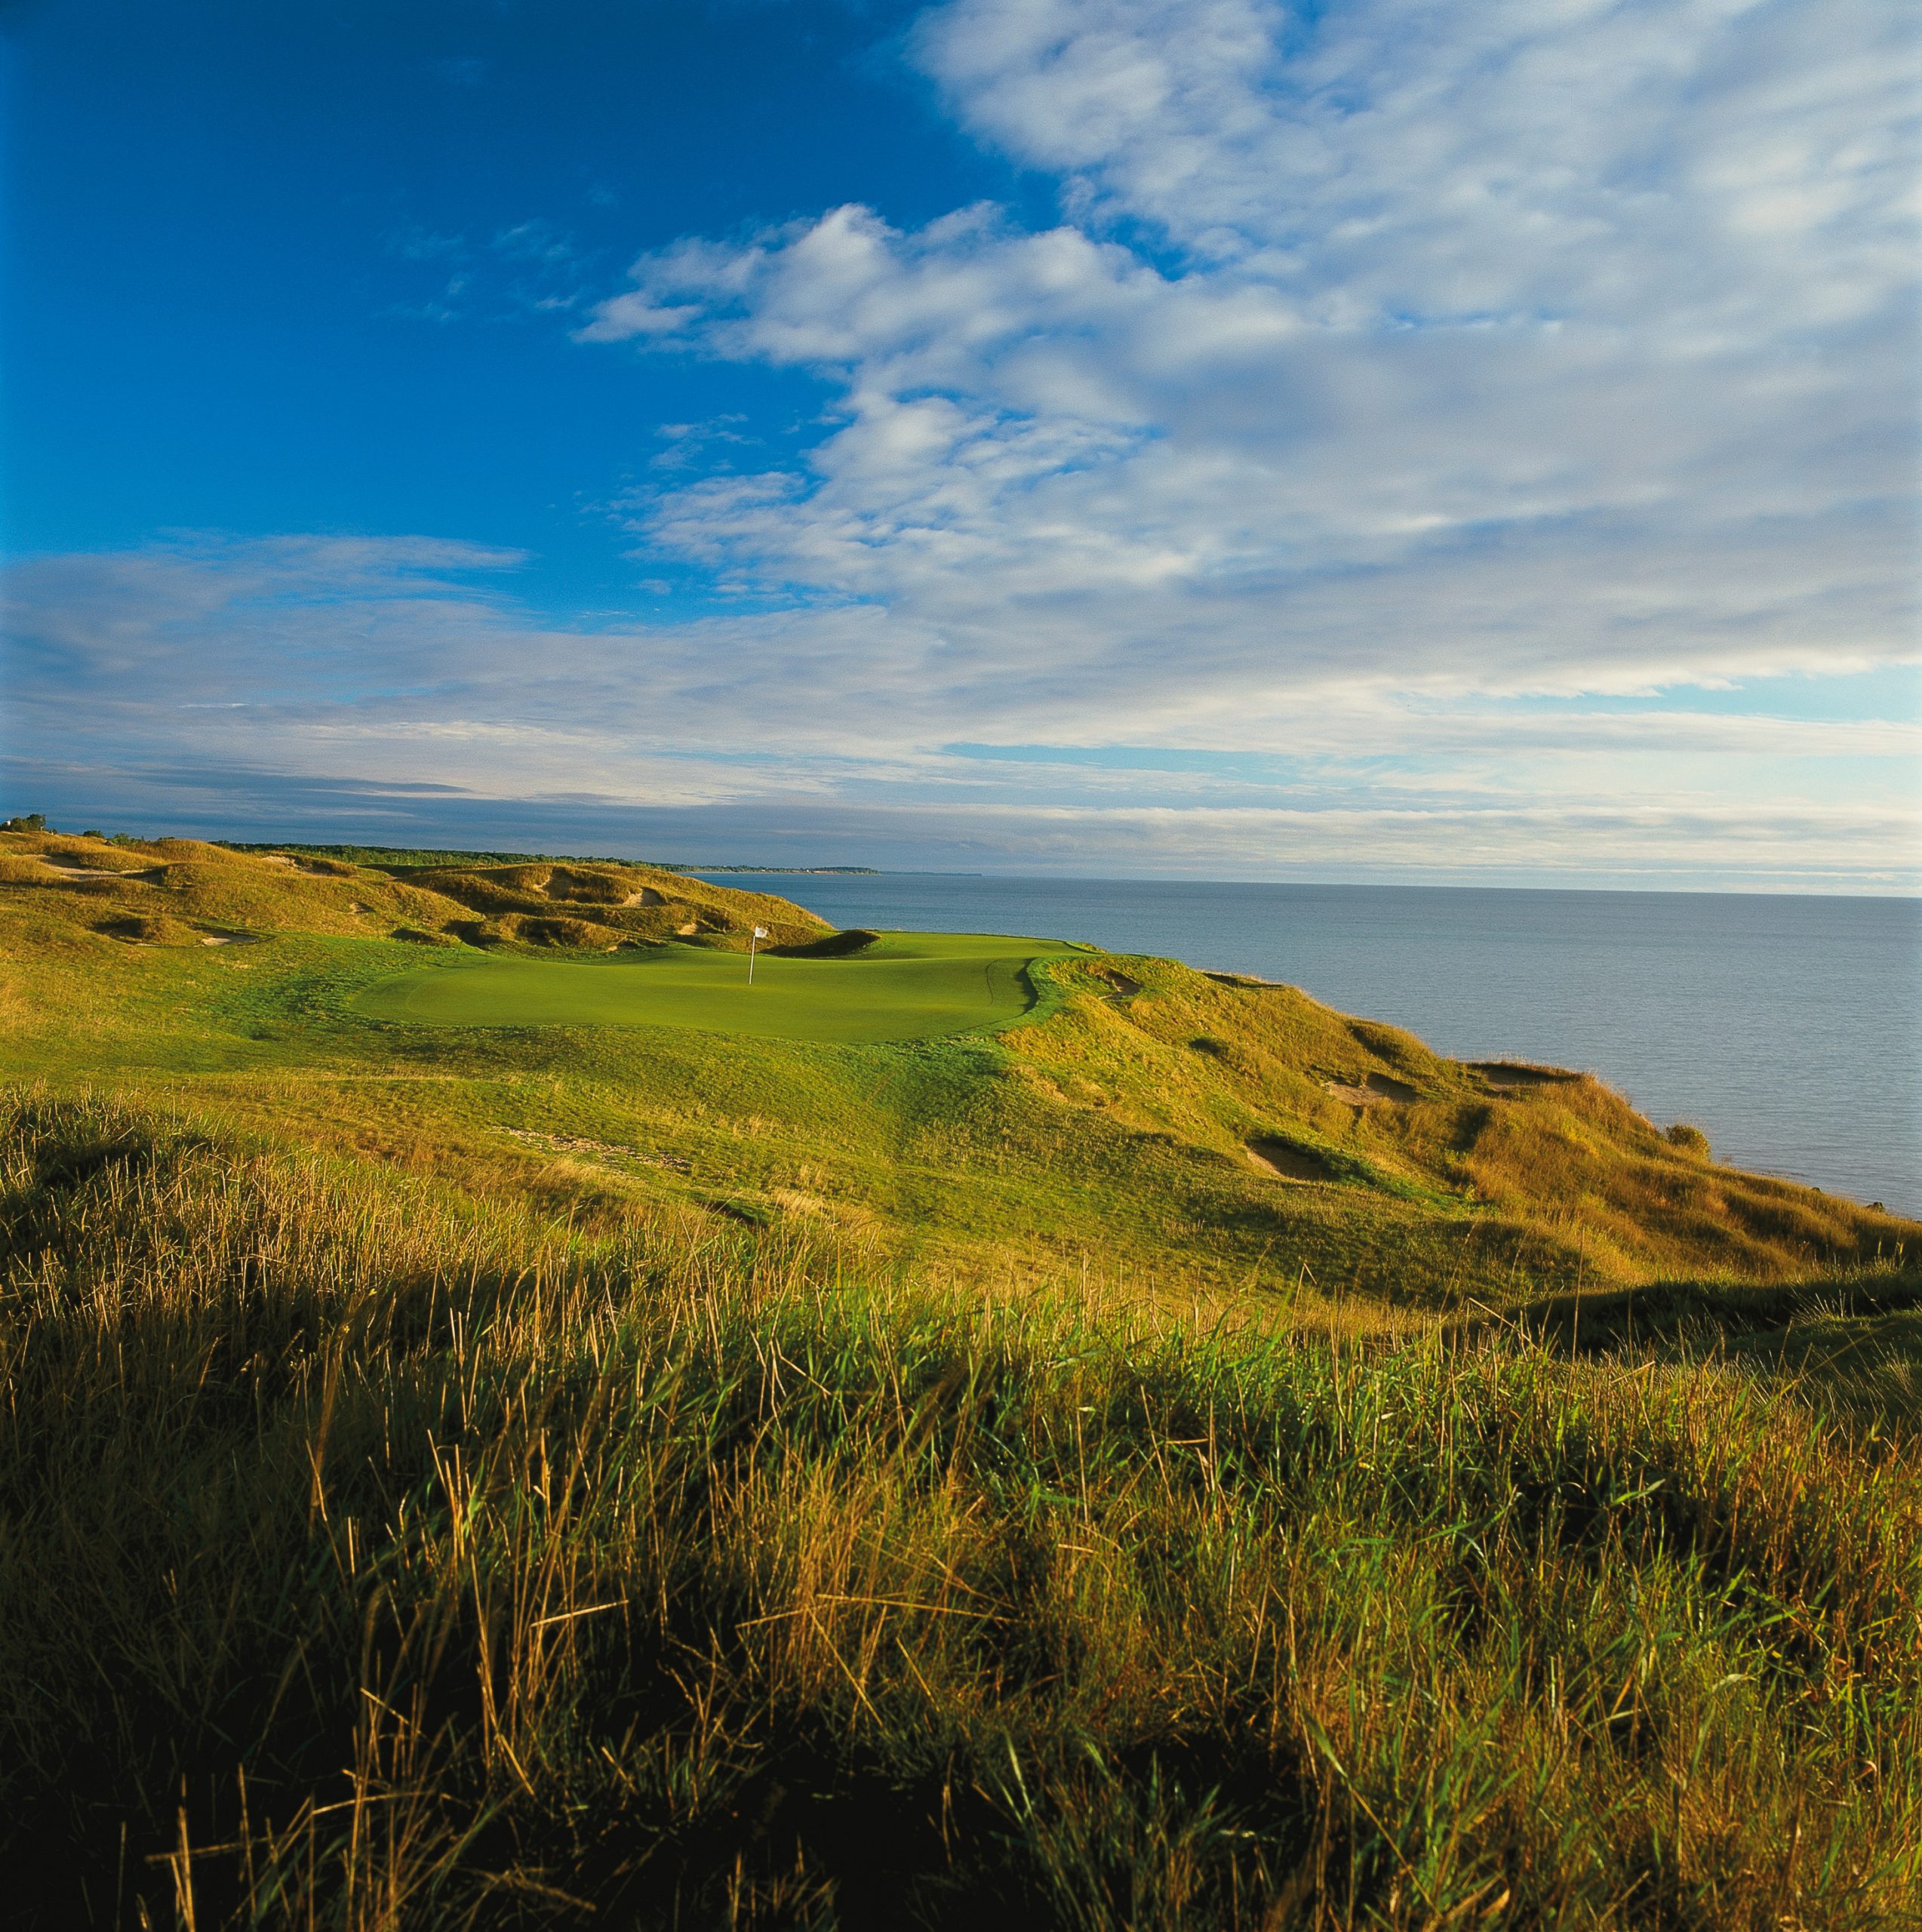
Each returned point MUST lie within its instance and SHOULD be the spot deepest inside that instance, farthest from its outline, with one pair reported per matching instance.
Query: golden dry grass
(371, 1559)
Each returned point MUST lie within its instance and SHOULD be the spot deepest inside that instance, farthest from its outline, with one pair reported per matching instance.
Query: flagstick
(754, 938)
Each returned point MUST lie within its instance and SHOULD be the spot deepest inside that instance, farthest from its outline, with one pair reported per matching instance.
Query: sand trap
(1374, 1089)
(75, 868)
(1287, 1163)
(1119, 986)
(1516, 1076)
(647, 896)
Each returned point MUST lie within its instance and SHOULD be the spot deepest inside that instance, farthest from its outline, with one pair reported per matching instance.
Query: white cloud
(1510, 348)
(407, 672)
(1381, 366)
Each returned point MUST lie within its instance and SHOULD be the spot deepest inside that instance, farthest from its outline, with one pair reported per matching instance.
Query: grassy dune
(373, 1561)
(182, 891)
(1188, 1459)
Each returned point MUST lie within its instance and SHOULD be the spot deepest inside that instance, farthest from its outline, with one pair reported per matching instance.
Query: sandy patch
(1373, 1090)
(647, 896)
(1515, 1076)
(75, 868)
(1286, 1163)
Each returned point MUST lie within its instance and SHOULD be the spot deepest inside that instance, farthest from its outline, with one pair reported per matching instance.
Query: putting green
(902, 986)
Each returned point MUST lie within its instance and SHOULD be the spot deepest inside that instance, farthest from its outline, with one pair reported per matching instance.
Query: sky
(1400, 440)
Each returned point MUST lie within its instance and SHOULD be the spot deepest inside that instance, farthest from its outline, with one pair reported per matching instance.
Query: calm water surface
(1789, 1029)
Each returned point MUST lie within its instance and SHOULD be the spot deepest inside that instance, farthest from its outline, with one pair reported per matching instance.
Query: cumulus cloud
(1502, 348)
(1400, 385)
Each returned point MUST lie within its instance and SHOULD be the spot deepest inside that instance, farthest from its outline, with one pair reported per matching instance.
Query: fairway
(903, 986)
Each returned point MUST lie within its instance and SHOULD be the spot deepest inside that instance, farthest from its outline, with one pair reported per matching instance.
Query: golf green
(902, 986)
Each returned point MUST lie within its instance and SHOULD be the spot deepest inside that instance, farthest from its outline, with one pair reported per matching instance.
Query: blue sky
(1392, 439)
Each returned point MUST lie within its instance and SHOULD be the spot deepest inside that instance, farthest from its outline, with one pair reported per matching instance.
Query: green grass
(1105, 1144)
(902, 986)
(373, 1559)
(572, 1462)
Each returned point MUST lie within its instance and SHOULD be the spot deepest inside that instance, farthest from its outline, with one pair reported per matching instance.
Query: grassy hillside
(375, 1559)
(1140, 1126)
(1166, 1455)
(182, 891)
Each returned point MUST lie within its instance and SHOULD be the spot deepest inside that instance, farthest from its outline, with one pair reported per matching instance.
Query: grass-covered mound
(593, 907)
(376, 1557)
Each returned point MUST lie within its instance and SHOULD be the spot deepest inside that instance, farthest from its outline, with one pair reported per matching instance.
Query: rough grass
(373, 1559)
(579, 906)
(1851, 1341)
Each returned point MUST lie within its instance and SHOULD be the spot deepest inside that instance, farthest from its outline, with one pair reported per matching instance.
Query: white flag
(761, 932)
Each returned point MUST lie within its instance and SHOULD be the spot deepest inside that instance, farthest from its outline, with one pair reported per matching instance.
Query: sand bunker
(1516, 1076)
(647, 896)
(77, 868)
(1287, 1163)
(1373, 1090)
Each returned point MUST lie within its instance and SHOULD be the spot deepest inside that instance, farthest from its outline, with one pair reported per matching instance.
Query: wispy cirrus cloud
(403, 685)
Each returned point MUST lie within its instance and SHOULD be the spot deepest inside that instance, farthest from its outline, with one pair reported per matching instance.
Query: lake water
(1789, 1029)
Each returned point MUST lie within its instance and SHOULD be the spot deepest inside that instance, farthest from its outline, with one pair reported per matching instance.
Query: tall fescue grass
(372, 1560)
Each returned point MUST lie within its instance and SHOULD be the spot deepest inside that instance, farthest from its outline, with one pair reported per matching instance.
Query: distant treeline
(402, 855)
